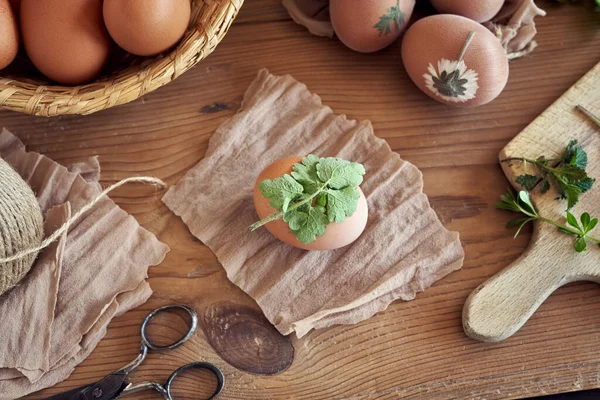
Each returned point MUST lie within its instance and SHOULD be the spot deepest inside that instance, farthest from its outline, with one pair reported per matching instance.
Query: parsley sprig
(317, 192)
(568, 175)
(521, 203)
(393, 14)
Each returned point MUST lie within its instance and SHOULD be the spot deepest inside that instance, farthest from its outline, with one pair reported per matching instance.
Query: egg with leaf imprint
(477, 10)
(455, 60)
(325, 208)
(369, 25)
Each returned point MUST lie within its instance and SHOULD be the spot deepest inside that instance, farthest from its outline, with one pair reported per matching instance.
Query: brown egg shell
(442, 37)
(146, 27)
(477, 10)
(354, 22)
(65, 39)
(336, 235)
(9, 34)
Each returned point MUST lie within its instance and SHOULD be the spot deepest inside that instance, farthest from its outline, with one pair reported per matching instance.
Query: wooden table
(414, 349)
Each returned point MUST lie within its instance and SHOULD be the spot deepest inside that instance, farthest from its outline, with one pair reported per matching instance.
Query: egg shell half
(438, 37)
(361, 24)
(65, 39)
(336, 235)
(9, 34)
(477, 10)
(146, 27)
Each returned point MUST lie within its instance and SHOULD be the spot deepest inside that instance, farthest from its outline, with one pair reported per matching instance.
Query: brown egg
(65, 39)
(336, 235)
(431, 49)
(477, 10)
(16, 5)
(369, 25)
(9, 34)
(146, 27)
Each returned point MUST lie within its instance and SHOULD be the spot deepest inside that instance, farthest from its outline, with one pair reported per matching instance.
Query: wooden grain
(502, 304)
(412, 350)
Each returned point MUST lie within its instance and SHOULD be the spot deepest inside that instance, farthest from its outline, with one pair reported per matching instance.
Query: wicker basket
(30, 93)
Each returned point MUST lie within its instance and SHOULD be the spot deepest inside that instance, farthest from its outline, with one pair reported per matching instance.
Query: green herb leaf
(315, 224)
(572, 220)
(525, 202)
(574, 155)
(522, 203)
(545, 186)
(341, 203)
(580, 244)
(317, 192)
(281, 191)
(516, 222)
(569, 176)
(565, 231)
(296, 220)
(306, 173)
(338, 173)
(571, 173)
(527, 181)
(585, 184)
(521, 227)
(392, 15)
(585, 220)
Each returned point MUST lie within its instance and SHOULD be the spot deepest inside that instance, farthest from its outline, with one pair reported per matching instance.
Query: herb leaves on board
(392, 15)
(317, 192)
(569, 176)
(521, 203)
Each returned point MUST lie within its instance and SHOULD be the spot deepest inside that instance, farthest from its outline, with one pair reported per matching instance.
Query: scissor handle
(198, 365)
(147, 342)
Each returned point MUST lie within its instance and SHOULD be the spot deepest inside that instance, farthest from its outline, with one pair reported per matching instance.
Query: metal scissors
(116, 385)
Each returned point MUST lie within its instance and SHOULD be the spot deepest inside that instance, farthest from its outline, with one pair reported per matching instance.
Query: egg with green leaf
(369, 25)
(312, 203)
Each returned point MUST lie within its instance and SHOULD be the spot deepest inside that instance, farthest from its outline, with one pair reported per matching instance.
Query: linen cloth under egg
(57, 315)
(403, 250)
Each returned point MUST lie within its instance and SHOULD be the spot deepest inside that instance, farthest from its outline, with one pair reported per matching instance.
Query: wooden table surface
(414, 349)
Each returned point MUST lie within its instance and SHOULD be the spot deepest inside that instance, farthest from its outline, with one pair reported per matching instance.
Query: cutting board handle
(502, 304)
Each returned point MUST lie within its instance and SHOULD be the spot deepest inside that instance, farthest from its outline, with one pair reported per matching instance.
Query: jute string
(22, 233)
(21, 226)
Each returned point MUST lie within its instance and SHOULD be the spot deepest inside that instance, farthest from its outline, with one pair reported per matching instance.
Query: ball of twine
(21, 226)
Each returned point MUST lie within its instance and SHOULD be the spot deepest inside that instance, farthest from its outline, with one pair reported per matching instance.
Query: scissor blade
(106, 389)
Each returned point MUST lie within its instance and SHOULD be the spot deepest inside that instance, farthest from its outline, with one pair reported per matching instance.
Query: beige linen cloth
(403, 250)
(514, 25)
(56, 316)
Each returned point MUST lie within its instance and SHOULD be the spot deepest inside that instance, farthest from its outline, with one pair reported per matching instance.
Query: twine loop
(21, 223)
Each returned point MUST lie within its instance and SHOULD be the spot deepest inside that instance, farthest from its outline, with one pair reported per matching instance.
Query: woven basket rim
(209, 23)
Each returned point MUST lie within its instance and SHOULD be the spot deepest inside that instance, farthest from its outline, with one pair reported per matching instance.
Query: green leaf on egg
(394, 16)
(318, 191)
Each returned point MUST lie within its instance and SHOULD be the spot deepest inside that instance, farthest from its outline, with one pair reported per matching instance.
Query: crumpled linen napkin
(403, 250)
(55, 317)
(514, 25)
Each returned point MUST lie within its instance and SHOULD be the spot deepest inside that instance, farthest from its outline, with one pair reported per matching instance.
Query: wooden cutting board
(504, 303)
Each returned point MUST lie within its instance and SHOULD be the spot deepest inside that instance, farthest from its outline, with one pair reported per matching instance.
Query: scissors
(116, 384)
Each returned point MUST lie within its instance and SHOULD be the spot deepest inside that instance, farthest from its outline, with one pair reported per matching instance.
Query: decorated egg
(455, 60)
(369, 25)
(337, 234)
(477, 10)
